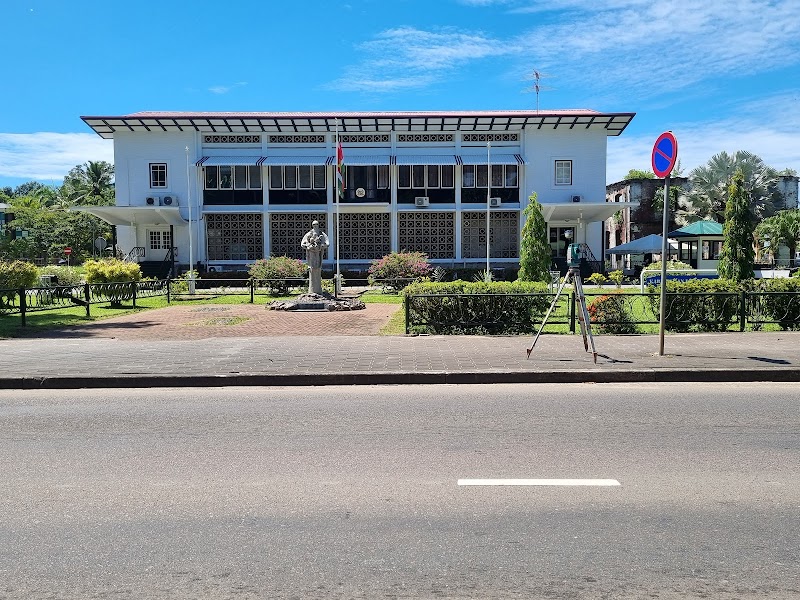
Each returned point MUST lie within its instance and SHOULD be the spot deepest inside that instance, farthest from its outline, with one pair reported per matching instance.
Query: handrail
(136, 252)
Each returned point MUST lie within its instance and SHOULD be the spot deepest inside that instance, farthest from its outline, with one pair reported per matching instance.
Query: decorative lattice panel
(430, 232)
(287, 229)
(491, 137)
(297, 139)
(364, 236)
(364, 138)
(238, 236)
(504, 241)
(231, 139)
(425, 137)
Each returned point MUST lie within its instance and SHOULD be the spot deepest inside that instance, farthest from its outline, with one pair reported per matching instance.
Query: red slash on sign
(665, 153)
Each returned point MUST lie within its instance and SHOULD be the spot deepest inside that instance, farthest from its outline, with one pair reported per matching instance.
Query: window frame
(315, 172)
(558, 165)
(156, 168)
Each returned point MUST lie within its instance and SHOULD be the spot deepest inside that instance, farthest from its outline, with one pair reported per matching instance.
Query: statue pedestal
(317, 303)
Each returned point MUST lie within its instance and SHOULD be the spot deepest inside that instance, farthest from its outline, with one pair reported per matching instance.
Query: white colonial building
(242, 186)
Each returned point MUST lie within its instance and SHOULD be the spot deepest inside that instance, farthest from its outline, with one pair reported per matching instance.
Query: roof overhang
(135, 215)
(584, 212)
(612, 124)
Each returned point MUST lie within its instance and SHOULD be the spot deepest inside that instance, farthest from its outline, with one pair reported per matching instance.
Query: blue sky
(722, 75)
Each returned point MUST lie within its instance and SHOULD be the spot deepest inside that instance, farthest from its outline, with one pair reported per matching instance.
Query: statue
(315, 242)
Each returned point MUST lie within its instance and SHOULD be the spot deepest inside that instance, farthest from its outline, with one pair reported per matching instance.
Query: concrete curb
(789, 374)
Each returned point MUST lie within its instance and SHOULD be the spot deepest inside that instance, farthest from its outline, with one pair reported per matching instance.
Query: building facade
(231, 188)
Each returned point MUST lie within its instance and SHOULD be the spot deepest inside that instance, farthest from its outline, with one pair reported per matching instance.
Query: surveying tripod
(574, 253)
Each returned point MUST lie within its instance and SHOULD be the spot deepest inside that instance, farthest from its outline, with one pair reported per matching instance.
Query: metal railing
(610, 312)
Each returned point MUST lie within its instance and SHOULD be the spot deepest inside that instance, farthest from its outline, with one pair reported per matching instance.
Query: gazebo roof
(698, 228)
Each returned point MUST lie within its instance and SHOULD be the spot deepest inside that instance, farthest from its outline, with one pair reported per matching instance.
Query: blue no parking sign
(665, 153)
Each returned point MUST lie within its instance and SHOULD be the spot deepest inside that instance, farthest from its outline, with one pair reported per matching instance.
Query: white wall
(133, 153)
(586, 150)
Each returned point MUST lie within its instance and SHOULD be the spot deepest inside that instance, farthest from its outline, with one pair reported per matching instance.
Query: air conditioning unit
(577, 198)
(169, 201)
(153, 201)
(422, 201)
(495, 202)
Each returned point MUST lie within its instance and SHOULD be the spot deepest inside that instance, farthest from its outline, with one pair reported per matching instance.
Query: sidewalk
(219, 345)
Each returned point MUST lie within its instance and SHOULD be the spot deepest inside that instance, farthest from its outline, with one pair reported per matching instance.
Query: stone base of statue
(323, 302)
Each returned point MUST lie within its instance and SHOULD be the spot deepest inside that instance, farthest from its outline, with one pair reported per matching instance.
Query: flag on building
(340, 170)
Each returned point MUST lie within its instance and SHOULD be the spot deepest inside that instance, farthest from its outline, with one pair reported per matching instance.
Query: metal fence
(609, 312)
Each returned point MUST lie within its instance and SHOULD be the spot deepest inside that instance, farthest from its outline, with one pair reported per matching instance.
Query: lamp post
(191, 245)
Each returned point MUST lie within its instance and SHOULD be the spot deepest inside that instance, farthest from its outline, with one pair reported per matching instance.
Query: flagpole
(338, 283)
(488, 203)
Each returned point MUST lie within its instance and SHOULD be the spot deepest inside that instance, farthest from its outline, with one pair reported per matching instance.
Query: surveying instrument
(574, 255)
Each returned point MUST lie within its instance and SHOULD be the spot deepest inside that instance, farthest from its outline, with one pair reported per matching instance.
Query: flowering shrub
(617, 277)
(609, 314)
(275, 270)
(398, 266)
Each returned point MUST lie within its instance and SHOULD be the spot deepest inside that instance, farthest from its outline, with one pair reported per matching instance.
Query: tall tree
(535, 255)
(90, 183)
(783, 228)
(711, 183)
(737, 255)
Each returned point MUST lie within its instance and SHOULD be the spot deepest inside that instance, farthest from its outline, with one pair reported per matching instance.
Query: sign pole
(662, 313)
(665, 154)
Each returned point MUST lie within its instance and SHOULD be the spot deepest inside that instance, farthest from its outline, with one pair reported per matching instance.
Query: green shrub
(398, 266)
(14, 275)
(782, 308)
(698, 304)
(115, 273)
(672, 264)
(64, 275)
(597, 279)
(275, 270)
(477, 307)
(617, 277)
(610, 314)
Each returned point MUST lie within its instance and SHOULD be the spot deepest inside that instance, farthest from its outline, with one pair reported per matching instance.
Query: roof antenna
(536, 76)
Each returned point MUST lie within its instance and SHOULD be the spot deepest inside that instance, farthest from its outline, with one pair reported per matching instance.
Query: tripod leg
(549, 310)
(580, 300)
(585, 320)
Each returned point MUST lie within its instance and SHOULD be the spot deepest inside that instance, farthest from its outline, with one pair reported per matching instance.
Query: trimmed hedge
(477, 307)
(714, 311)
(14, 275)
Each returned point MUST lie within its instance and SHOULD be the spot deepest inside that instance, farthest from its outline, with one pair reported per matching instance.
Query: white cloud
(767, 127)
(46, 155)
(224, 89)
(418, 58)
(645, 48)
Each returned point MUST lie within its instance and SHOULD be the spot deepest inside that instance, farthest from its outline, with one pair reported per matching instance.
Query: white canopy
(135, 215)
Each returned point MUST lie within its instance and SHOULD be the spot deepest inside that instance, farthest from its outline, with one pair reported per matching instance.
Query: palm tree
(781, 229)
(711, 182)
(91, 183)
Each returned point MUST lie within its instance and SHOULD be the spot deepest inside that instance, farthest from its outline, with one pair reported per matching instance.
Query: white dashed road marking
(572, 482)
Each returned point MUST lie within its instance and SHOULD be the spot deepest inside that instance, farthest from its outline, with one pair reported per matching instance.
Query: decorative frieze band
(364, 138)
(425, 137)
(297, 139)
(231, 139)
(491, 137)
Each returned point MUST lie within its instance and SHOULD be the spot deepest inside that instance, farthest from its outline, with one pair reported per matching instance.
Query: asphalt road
(339, 492)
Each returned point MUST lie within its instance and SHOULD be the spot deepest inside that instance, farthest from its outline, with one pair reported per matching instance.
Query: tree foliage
(783, 228)
(711, 184)
(90, 184)
(737, 255)
(535, 254)
(639, 174)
